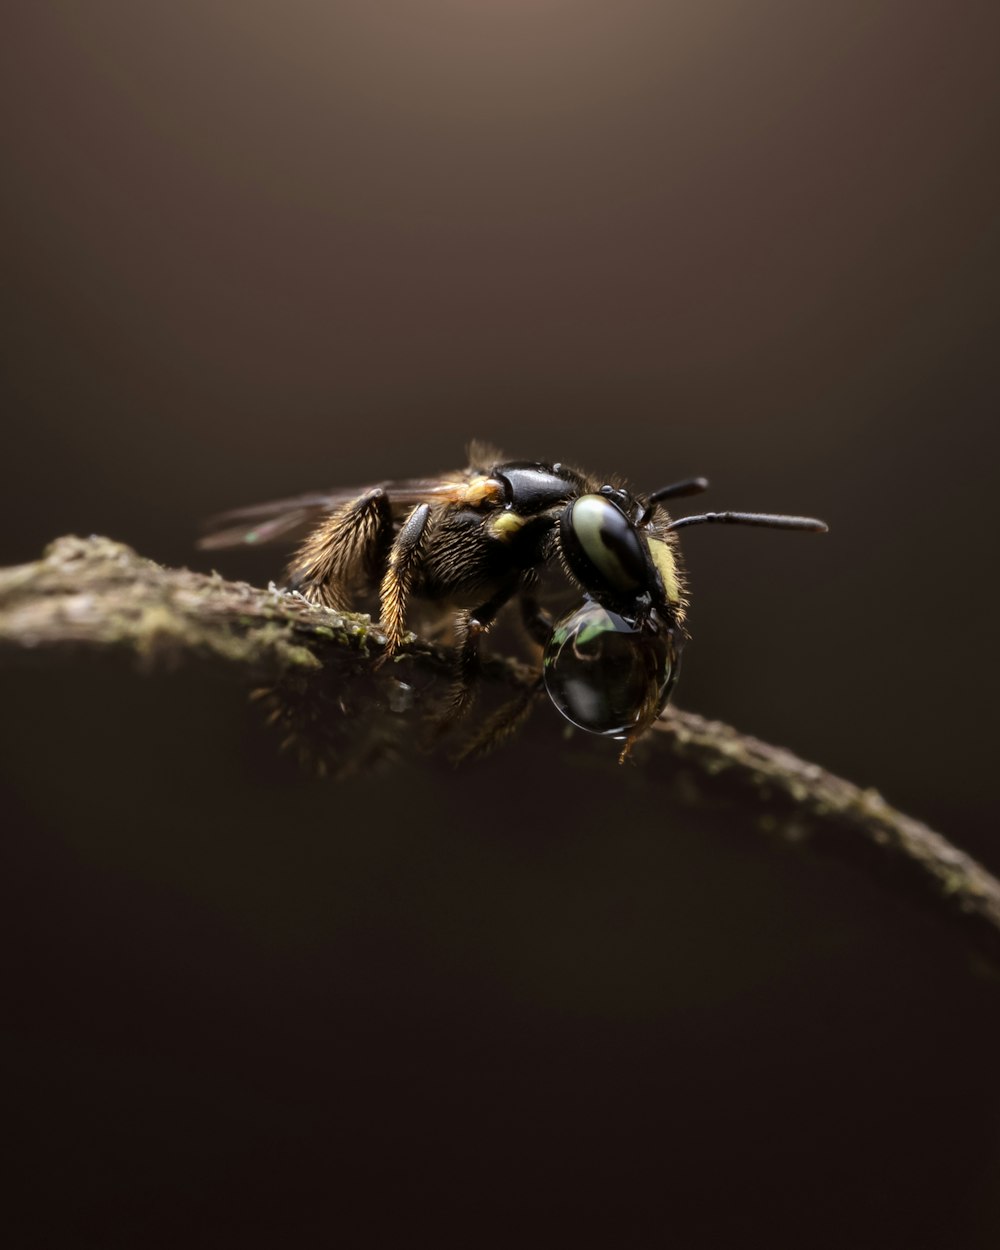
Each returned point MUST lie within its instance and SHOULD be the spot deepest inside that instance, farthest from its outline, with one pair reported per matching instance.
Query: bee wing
(265, 522)
(248, 532)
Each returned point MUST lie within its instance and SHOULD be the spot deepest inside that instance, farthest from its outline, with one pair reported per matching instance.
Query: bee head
(609, 666)
(616, 560)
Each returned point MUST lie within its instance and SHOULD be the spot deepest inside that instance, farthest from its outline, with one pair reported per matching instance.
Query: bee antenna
(689, 486)
(765, 519)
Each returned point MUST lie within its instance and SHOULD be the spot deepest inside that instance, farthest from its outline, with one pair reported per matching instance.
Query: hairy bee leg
(469, 629)
(395, 589)
(626, 750)
(352, 539)
(535, 619)
(503, 724)
(649, 713)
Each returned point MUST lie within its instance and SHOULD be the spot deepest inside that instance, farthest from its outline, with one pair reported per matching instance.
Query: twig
(801, 804)
(96, 594)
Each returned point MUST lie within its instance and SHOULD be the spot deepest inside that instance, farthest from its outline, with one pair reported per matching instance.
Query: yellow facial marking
(663, 558)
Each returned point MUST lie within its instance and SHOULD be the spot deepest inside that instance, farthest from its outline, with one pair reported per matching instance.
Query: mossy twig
(95, 594)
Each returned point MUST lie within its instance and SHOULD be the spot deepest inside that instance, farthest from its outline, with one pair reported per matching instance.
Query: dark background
(252, 249)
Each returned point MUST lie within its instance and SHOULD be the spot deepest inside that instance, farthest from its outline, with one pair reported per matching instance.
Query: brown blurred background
(253, 249)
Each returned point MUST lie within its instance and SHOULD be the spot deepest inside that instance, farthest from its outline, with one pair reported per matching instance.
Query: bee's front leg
(535, 619)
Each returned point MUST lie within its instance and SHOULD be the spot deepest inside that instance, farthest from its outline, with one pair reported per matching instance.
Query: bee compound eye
(603, 546)
(603, 673)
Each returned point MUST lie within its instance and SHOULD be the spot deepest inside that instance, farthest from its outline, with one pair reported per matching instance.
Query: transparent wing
(265, 522)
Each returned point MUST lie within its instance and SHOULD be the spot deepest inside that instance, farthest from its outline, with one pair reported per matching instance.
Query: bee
(472, 540)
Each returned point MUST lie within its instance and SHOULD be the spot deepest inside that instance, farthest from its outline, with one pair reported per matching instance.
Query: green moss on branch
(97, 595)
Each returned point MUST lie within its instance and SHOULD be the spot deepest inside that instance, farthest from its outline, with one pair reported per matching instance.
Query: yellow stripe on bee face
(666, 566)
(506, 524)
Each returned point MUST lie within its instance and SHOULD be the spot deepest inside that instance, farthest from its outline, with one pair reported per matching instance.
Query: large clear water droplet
(602, 672)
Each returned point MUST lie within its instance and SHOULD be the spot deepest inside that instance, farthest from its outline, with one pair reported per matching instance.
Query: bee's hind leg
(348, 546)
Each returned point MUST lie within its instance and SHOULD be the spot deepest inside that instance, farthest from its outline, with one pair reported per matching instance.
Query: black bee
(474, 539)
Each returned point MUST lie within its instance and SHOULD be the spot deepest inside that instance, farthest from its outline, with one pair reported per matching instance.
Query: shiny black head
(610, 666)
(606, 553)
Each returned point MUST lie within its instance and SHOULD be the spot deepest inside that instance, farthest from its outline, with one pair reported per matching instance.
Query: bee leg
(469, 629)
(648, 713)
(535, 619)
(395, 588)
(508, 718)
(348, 543)
(503, 724)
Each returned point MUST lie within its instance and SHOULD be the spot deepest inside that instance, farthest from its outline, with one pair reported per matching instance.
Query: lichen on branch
(93, 594)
